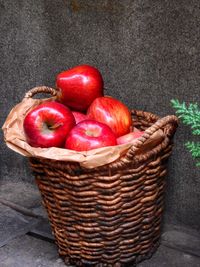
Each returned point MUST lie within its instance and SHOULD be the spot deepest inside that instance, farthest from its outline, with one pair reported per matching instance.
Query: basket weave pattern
(110, 215)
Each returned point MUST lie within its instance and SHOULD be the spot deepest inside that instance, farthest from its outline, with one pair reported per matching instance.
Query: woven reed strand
(110, 215)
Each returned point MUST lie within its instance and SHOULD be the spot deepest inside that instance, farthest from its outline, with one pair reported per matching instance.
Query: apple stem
(55, 126)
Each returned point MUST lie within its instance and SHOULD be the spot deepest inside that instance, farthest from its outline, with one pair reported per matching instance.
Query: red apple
(112, 112)
(90, 134)
(127, 138)
(48, 124)
(79, 116)
(79, 86)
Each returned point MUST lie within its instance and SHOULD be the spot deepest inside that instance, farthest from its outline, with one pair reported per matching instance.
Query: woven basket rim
(168, 124)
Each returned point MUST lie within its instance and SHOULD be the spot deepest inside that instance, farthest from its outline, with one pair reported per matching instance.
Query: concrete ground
(26, 251)
(26, 240)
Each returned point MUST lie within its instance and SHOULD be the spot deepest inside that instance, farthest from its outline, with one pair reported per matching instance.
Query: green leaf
(190, 115)
(194, 148)
(198, 164)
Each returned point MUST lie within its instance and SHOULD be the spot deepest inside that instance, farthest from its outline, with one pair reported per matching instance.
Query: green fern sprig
(190, 116)
(194, 148)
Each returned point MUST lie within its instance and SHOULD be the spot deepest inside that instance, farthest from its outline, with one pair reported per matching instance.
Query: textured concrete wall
(147, 51)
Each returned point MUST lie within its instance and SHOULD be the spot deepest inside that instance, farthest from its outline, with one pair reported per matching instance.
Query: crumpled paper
(15, 139)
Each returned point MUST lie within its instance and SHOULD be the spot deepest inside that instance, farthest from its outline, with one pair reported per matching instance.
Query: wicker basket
(109, 215)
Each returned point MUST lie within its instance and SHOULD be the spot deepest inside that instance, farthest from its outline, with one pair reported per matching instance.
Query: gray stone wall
(146, 50)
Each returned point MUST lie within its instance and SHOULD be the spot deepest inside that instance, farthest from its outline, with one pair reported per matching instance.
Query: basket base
(132, 263)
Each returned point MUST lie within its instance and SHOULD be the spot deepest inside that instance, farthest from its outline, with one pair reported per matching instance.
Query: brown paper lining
(15, 139)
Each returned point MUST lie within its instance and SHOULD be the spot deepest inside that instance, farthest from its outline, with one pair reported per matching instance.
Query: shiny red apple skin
(112, 112)
(79, 86)
(88, 135)
(79, 116)
(48, 124)
(127, 138)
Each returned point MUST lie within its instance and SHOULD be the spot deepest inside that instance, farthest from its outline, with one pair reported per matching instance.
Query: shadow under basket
(109, 215)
